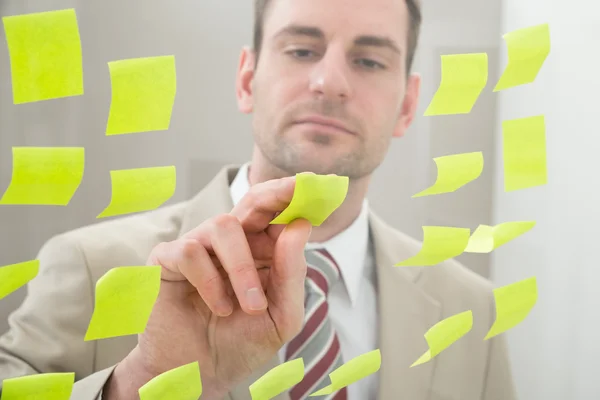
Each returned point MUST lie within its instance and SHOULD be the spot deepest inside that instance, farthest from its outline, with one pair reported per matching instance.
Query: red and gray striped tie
(317, 343)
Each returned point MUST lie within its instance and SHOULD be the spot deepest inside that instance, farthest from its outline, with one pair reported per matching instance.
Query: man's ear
(245, 77)
(409, 104)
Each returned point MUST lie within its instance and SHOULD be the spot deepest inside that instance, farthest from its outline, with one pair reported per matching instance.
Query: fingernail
(256, 301)
(224, 307)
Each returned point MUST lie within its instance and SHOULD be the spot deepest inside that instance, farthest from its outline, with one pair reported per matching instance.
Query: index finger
(262, 202)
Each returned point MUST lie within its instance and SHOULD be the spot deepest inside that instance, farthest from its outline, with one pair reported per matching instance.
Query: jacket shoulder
(123, 241)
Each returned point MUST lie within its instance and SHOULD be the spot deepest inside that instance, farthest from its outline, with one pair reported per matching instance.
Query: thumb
(285, 289)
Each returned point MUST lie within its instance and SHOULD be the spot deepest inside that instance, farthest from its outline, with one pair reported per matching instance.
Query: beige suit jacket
(46, 333)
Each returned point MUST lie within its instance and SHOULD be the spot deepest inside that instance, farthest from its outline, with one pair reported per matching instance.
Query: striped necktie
(317, 343)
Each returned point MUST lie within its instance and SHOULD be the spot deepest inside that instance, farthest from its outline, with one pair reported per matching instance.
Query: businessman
(329, 85)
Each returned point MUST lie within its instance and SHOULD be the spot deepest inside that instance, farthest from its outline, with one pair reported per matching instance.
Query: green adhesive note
(524, 153)
(124, 300)
(315, 198)
(464, 77)
(45, 175)
(181, 383)
(440, 336)
(278, 379)
(140, 189)
(45, 55)
(49, 386)
(514, 302)
(13, 276)
(528, 48)
(440, 243)
(143, 94)
(454, 172)
(354, 370)
(488, 238)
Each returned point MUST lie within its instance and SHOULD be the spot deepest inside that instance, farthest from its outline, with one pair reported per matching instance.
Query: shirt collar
(348, 248)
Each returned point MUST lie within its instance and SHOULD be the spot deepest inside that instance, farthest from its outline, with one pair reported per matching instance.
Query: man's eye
(301, 53)
(370, 64)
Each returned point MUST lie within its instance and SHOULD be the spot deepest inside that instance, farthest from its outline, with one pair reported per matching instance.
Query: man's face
(330, 89)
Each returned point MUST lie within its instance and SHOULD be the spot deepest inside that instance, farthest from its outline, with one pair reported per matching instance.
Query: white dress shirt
(353, 300)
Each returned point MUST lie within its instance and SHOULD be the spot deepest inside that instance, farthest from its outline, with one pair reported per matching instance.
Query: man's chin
(295, 157)
(317, 165)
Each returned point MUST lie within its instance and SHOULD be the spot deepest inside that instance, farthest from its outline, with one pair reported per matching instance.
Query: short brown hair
(414, 10)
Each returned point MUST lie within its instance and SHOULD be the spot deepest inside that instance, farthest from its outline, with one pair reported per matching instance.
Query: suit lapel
(213, 200)
(406, 312)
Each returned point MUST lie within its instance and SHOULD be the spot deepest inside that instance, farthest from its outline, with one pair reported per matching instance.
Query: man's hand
(232, 294)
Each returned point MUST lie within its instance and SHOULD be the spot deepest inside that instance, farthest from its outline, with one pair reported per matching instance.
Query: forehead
(341, 19)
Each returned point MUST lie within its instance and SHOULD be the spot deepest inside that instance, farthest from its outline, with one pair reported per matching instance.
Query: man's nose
(330, 76)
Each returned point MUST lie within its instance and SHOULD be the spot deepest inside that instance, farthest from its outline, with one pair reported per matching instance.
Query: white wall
(556, 350)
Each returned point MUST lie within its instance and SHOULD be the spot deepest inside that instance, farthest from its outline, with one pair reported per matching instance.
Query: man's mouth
(329, 124)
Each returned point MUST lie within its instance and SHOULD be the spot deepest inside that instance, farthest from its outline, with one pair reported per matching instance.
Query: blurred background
(555, 351)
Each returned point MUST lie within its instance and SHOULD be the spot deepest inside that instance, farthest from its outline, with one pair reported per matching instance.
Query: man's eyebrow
(363, 40)
(301, 30)
(377, 41)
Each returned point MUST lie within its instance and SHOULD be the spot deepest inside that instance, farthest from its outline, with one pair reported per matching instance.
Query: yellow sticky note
(13, 276)
(315, 198)
(140, 189)
(488, 238)
(45, 55)
(49, 386)
(513, 303)
(143, 94)
(528, 48)
(181, 383)
(278, 379)
(440, 336)
(354, 370)
(464, 77)
(440, 243)
(125, 297)
(45, 175)
(524, 153)
(454, 172)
